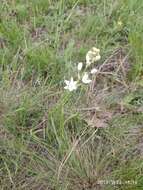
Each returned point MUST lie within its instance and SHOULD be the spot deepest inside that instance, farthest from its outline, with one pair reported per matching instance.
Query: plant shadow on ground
(49, 138)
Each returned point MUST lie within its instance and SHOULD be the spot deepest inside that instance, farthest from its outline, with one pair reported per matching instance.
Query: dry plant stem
(99, 70)
(110, 73)
(88, 109)
(89, 138)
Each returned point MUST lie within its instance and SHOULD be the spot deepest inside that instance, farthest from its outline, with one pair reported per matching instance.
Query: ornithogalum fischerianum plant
(84, 70)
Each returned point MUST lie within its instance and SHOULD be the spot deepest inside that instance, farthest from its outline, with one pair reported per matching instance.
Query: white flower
(85, 78)
(71, 85)
(80, 65)
(93, 71)
(119, 23)
(92, 56)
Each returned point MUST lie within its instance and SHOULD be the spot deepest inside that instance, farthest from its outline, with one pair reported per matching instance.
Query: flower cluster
(83, 72)
(92, 56)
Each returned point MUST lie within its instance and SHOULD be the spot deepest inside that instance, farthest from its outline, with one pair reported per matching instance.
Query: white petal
(71, 81)
(67, 82)
(89, 52)
(66, 87)
(85, 79)
(96, 49)
(71, 89)
(98, 57)
(74, 87)
(93, 71)
(79, 67)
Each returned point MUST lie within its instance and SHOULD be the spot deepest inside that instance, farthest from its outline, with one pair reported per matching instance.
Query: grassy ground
(89, 139)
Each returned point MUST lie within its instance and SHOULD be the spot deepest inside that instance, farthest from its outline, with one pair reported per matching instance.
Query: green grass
(49, 138)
